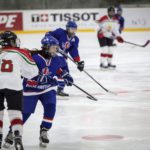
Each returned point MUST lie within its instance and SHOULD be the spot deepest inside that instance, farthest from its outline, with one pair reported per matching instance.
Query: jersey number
(7, 66)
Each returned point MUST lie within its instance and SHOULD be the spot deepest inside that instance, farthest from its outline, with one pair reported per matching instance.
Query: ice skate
(8, 140)
(43, 137)
(103, 67)
(60, 92)
(1, 138)
(111, 66)
(18, 141)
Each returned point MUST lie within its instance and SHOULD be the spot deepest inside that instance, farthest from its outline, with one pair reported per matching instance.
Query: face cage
(13, 43)
(69, 33)
(47, 47)
(18, 42)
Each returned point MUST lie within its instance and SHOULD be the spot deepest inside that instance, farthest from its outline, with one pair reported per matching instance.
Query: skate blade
(62, 97)
(19, 147)
(107, 69)
(104, 69)
(43, 144)
(7, 145)
(112, 68)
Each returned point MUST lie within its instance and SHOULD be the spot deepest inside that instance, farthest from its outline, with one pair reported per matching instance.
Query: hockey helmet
(119, 9)
(71, 28)
(71, 24)
(47, 42)
(111, 11)
(111, 8)
(9, 38)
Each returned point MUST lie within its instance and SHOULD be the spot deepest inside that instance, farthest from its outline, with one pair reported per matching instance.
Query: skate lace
(9, 136)
(44, 134)
(1, 137)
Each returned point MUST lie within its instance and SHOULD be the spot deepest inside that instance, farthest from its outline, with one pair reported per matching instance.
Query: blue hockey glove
(68, 79)
(80, 65)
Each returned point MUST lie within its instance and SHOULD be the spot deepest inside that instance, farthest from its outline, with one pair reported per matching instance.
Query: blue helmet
(71, 24)
(48, 41)
(119, 9)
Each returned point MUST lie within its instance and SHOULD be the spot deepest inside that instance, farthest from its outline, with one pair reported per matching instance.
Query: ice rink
(114, 122)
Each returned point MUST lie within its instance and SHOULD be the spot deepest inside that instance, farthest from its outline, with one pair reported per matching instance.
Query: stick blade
(146, 43)
(114, 93)
(92, 98)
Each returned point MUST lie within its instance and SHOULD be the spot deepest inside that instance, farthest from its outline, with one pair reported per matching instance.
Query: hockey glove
(119, 39)
(80, 65)
(67, 79)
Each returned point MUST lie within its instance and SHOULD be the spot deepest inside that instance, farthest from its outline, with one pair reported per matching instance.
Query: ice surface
(126, 115)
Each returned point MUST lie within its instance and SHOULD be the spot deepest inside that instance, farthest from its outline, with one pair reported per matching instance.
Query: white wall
(135, 18)
(85, 18)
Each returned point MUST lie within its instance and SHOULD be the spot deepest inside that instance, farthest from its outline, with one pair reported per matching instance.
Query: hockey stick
(144, 45)
(88, 95)
(99, 83)
(147, 42)
(63, 53)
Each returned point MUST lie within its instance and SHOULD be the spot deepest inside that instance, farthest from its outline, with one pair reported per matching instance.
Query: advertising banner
(11, 21)
(136, 19)
(51, 19)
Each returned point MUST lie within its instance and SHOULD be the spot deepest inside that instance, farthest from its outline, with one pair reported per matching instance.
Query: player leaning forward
(68, 42)
(43, 88)
(14, 63)
(108, 31)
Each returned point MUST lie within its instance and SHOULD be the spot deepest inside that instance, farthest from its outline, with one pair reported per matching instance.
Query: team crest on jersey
(66, 45)
(73, 40)
(46, 71)
(43, 77)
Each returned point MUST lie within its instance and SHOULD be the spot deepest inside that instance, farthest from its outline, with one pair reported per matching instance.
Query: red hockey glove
(119, 39)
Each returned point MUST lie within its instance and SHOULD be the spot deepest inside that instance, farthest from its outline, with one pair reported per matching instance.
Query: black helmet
(8, 38)
(111, 8)
(111, 11)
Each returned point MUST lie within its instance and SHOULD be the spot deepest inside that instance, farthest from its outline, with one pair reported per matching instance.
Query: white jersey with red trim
(14, 63)
(109, 27)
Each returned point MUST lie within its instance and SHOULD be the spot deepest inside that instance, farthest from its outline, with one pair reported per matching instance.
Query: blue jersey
(69, 45)
(48, 69)
(121, 22)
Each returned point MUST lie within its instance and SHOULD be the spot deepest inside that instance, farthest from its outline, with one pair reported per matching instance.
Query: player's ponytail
(33, 51)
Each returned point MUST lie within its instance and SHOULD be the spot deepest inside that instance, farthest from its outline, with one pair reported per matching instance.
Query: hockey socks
(49, 113)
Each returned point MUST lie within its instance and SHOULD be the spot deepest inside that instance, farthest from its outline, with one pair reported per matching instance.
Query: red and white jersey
(109, 27)
(14, 63)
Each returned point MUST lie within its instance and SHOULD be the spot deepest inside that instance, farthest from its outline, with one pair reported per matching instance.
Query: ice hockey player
(120, 18)
(108, 31)
(68, 42)
(14, 63)
(43, 88)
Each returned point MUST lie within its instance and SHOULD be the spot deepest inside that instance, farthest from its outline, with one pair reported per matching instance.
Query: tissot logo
(40, 18)
(59, 17)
